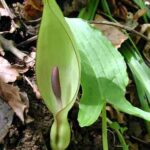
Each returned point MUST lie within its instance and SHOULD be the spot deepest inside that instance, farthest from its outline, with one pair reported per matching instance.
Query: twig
(122, 27)
(34, 87)
(34, 21)
(140, 140)
(34, 38)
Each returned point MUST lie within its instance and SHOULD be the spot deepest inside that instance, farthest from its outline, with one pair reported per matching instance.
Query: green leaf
(91, 102)
(57, 70)
(119, 130)
(105, 66)
(140, 71)
(105, 7)
(141, 75)
(88, 12)
(115, 96)
(99, 59)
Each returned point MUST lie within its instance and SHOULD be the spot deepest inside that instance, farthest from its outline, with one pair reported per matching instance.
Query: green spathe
(57, 71)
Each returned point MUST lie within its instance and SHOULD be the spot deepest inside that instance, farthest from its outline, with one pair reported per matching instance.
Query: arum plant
(57, 71)
(103, 65)
(105, 68)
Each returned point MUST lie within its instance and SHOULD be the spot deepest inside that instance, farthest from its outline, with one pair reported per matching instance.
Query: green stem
(88, 12)
(120, 136)
(106, 7)
(104, 128)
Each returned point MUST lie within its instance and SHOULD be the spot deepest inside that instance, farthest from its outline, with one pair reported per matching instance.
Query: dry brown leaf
(33, 9)
(7, 73)
(111, 32)
(115, 114)
(11, 95)
(139, 13)
(25, 100)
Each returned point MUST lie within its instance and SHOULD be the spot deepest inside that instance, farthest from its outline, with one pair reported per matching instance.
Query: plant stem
(120, 135)
(104, 128)
(105, 6)
(88, 12)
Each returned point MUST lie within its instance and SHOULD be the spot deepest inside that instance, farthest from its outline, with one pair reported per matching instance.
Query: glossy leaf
(57, 71)
(106, 67)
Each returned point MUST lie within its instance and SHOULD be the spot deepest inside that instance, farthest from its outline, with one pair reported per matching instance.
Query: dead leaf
(139, 13)
(33, 9)
(11, 95)
(112, 33)
(115, 114)
(6, 118)
(8, 45)
(25, 100)
(7, 73)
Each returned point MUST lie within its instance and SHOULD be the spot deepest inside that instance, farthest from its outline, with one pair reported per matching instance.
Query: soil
(35, 135)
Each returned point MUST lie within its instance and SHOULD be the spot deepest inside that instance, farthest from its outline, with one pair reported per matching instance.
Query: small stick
(34, 38)
(34, 21)
(122, 27)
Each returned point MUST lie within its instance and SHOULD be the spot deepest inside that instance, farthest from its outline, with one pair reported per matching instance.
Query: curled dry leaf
(6, 117)
(11, 95)
(7, 73)
(112, 33)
